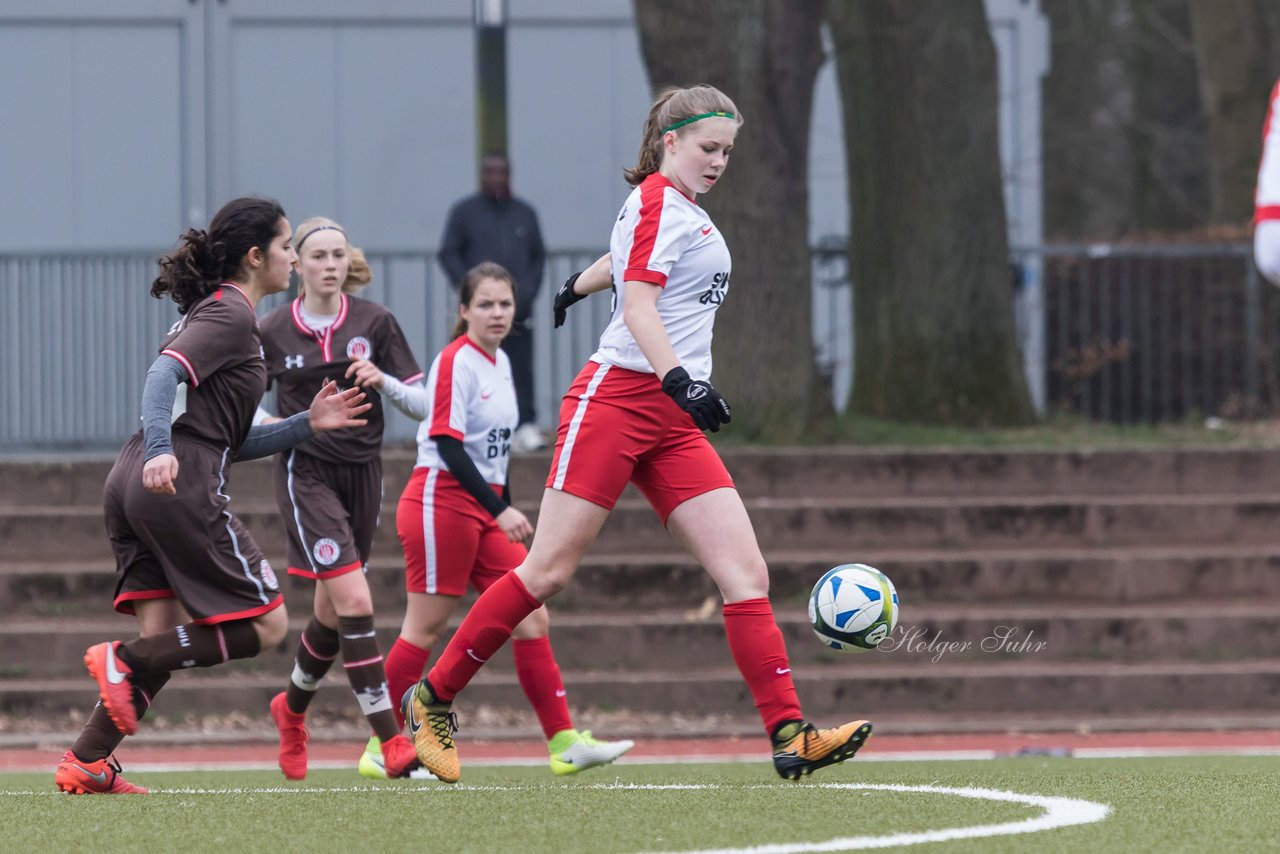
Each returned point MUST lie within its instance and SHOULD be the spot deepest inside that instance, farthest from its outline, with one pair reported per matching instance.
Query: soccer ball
(853, 607)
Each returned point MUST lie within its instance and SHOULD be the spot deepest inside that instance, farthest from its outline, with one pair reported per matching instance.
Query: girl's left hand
(515, 525)
(365, 374)
(333, 410)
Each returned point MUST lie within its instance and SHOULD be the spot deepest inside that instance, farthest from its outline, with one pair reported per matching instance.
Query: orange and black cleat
(811, 748)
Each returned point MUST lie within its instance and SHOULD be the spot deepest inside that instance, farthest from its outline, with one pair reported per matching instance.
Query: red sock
(761, 655)
(404, 665)
(484, 630)
(539, 676)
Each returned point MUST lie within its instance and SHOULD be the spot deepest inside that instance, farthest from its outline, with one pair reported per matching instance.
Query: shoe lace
(113, 765)
(810, 733)
(443, 726)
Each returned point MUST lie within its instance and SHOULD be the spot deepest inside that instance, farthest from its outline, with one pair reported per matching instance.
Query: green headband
(717, 114)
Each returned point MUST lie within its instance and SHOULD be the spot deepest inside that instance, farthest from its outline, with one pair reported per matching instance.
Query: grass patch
(1186, 804)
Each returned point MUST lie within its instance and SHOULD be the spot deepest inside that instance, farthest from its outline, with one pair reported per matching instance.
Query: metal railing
(1151, 333)
(1127, 334)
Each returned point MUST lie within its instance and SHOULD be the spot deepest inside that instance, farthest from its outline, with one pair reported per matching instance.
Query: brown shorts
(330, 511)
(188, 546)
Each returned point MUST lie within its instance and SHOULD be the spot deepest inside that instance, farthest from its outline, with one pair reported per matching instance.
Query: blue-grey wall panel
(371, 124)
(577, 98)
(91, 155)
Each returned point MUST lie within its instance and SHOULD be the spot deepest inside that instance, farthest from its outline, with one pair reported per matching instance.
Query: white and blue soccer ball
(853, 607)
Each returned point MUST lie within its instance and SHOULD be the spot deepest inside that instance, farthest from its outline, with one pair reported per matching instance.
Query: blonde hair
(359, 273)
(676, 104)
(471, 281)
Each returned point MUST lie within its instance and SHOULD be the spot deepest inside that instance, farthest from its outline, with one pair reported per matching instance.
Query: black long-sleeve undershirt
(465, 472)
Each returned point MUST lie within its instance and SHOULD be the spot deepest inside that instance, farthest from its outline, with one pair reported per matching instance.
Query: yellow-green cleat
(371, 763)
(573, 751)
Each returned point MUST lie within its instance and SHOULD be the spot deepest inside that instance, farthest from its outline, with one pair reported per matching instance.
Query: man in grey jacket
(493, 225)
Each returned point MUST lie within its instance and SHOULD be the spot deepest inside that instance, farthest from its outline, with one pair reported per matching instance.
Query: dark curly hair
(206, 259)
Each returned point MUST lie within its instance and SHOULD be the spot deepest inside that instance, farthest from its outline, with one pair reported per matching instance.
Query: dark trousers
(519, 347)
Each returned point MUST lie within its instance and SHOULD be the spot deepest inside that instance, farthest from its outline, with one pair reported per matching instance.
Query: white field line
(1058, 812)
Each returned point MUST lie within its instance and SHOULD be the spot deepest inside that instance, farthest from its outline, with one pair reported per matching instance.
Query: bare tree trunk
(765, 55)
(1232, 49)
(1125, 138)
(935, 338)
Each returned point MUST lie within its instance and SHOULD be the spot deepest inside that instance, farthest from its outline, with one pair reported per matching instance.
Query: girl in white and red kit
(1266, 216)
(635, 414)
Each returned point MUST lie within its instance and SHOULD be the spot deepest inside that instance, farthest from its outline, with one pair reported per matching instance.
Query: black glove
(566, 297)
(699, 398)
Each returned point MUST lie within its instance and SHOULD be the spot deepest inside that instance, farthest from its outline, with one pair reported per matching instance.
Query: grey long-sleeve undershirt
(161, 390)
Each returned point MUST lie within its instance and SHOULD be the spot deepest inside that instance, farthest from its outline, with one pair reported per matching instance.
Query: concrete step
(819, 472)
(927, 637)
(852, 526)
(831, 693)
(665, 581)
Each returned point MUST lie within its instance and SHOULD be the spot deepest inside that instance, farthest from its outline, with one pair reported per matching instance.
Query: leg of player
(425, 617)
(87, 769)
(567, 525)
(122, 667)
(715, 528)
(362, 662)
(317, 648)
(539, 674)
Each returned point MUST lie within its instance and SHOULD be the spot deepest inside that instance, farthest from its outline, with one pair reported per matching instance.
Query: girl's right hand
(515, 525)
(159, 474)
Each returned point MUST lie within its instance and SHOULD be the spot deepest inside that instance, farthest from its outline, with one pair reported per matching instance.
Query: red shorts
(449, 540)
(617, 425)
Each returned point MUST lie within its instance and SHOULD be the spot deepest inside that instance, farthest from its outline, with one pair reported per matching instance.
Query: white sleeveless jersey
(664, 238)
(1267, 198)
(473, 399)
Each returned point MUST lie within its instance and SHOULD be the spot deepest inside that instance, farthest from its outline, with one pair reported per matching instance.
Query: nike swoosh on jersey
(474, 657)
(782, 671)
(706, 231)
(114, 676)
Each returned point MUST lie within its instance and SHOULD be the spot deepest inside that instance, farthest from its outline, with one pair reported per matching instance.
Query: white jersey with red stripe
(473, 399)
(1267, 197)
(664, 238)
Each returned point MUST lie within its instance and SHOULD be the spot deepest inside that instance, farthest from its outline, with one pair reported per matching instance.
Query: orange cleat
(293, 738)
(92, 778)
(115, 684)
(399, 757)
